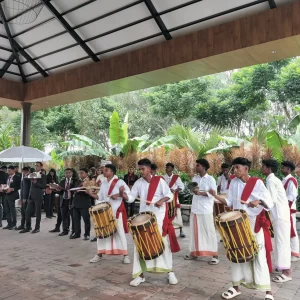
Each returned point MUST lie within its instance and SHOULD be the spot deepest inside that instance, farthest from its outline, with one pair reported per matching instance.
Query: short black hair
(84, 170)
(68, 169)
(26, 169)
(144, 162)
(271, 163)
(225, 166)
(3, 168)
(32, 170)
(203, 162)
(242, 161)
(111, 167)
(11, 167)
(39, 162)
(170, 165)
(289, 164)
(154, 167)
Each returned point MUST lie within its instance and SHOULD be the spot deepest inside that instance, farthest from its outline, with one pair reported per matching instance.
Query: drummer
(256, 198)
(224, 179)
(280, 216)
(116, 244)
(176, 185)
(157, 192)
(203, 237)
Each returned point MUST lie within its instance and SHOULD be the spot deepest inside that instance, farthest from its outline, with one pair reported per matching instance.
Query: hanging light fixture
(22, 11)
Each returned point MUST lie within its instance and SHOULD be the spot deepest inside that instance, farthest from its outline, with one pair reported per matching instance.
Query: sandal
(231, 293)
(190, 257)
(269, 297)
(214, 261)
(281, 278)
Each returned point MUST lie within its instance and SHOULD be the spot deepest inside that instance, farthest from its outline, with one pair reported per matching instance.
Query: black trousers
(1, 208)
(11, 213)
(84, 213)
(129, 208)
(23, 212)
(49, 204)
(71, 210)
(33, 206)
(65, 214)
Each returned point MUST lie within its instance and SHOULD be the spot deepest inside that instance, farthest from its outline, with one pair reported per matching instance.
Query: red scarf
(167, 224)
(122, 208)
(292, 211)
(172, 182)
(261, 220)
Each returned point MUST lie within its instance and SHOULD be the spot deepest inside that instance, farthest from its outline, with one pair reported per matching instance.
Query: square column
(25, 124)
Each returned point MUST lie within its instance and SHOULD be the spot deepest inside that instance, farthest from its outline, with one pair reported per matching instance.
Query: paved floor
(45, 266)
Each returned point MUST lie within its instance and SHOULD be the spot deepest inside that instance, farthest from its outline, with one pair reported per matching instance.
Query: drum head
(141, 219)
(230, 216)
(100, 206)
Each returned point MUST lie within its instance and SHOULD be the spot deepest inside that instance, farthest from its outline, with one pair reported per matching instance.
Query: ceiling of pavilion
(51, 36)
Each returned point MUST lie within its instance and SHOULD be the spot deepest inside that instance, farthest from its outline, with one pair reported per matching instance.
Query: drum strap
(172, 182)
(292, 211)
(112, 186)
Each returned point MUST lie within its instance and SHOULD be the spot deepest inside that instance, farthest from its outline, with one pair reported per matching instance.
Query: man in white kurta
(223, 180)
(280, 216)
(291, 190)
(163, 263)
(116, 244)
(254, 274)
(176, 187)
(203, 237)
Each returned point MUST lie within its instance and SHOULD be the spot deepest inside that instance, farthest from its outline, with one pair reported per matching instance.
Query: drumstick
(142, 200)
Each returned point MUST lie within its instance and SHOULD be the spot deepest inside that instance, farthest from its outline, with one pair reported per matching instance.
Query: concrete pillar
(25, 124)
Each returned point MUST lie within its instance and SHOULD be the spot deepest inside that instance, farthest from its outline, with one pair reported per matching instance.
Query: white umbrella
(23, 154)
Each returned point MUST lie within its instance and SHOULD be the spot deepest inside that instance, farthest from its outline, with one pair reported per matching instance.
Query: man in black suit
(11, 195)
(3, 180)
(81, 204)
(66, 197)
(24, 195)
(35, 199)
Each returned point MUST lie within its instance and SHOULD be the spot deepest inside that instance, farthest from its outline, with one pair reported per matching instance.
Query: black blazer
(15, 184)
(81, 199)
(38, 188)
(3, 180)
(25, 188)
(62, 193)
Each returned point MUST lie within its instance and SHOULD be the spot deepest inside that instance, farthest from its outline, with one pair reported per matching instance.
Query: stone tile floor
(46, 266)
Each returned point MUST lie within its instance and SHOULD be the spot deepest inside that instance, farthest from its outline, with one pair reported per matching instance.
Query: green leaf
(116, 132)
(295, 122)
(275, 142)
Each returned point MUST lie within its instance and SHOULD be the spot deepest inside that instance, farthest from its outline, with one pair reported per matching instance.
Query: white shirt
(140, 190)
(203, 205)
(223, 183)
(100, 178)
(291, 191)
(178, 183)
(259, 192)
(103, 193)
(281, 208)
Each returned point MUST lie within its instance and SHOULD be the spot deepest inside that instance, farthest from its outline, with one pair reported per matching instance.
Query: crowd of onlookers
(44, 192)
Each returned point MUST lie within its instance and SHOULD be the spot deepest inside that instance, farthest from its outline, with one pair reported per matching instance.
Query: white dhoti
(177, 222)
(282, 249)
(295, 240)
(161, 264)
(203, 237)
(115, 244)
(254, 274)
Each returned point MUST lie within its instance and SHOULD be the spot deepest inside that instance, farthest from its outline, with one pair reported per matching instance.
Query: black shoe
(21, 227)
(11, 228)
(47, 217)
(53, 216)
(35, 231)
(24, 230)
(74, 236)
(63, 233)
(55, 230)
(0, 224)
(94, 239)
(34, 216)
(86, 237)
(15, 228)
(6, 227)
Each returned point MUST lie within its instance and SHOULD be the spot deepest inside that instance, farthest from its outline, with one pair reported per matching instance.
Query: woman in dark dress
(130, 178)
(50, 195)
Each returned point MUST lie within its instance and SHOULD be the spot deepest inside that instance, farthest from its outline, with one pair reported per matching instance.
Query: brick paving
(46, 266)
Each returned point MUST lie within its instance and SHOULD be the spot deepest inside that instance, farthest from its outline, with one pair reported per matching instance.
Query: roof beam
(158, 19)
(11, 41)
(272, 4)
(7, 65)
(71, 31)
